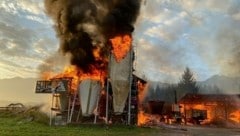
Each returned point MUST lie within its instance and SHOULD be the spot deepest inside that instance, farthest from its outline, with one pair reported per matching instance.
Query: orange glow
(69, 72)
(95, 74)
(210, 110)
(147, 119)
(46, 75)
(96, 53)
(121, 46)
(76, 75)
(143, 118)
(214, 111)
(235, 116)
(142, 91)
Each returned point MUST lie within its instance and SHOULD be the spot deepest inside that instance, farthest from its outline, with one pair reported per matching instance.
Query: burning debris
(211, 108)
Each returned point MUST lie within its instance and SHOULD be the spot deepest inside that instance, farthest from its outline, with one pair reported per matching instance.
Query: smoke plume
(53, 65)
(85, 26)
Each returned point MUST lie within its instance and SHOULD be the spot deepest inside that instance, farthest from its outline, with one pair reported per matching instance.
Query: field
(29, 125)
(34, 123)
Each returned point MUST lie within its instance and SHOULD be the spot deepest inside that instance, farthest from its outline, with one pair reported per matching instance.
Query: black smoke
(83, 25)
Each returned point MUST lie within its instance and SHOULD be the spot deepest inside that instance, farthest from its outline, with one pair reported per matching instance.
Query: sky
(169, 36)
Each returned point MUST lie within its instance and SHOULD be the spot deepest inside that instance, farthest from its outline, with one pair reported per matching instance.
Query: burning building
(96, 34)
(210, 108)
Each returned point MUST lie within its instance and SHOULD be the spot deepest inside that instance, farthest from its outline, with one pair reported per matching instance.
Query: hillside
(20, 90)
(223, 83)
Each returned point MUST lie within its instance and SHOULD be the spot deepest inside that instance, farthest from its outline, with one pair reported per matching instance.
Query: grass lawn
(36, 124)
(17, 125)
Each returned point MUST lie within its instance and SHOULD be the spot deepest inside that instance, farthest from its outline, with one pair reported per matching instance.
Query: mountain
(220, 84)
(22, 90)
(214, 85)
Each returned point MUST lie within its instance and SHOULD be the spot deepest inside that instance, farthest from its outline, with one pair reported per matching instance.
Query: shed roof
(205, 98)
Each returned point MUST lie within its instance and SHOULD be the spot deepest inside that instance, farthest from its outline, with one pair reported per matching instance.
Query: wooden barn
(210, 108)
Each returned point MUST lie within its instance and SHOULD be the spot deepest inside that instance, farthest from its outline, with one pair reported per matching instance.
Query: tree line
(174, 92)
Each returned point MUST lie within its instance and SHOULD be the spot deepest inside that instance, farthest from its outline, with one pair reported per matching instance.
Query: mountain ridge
(19, 89)
(224, 84)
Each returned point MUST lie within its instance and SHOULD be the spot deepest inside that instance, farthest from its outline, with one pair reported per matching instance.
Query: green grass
(18, 125)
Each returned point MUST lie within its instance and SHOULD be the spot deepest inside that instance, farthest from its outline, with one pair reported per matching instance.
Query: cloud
(157, 62)
(23, 49)
(26, 37)
(32, 10)
(168, 30)
(213, 5)
(32, 6)
(11, 69)
(200, 34)
(228, 40)
(169, 35)
(15, 40)
(15, 6)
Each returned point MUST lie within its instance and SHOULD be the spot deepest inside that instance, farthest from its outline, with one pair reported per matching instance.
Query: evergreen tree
(216, 89)
(150, 93)
(187, 84)
(239, 87)
(158, 93)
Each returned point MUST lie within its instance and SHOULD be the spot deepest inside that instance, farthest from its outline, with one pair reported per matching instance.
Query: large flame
(121, 46)
(74, 73)
(95, 71)
(95, 74)
(69, 72)
(214, 111)
(209, 108)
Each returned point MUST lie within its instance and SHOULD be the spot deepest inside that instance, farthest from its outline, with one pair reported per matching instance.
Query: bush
(27, 114)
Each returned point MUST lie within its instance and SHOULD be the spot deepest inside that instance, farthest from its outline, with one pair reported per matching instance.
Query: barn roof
(210, 98)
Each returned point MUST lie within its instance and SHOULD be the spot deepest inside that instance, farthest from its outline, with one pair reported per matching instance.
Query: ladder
(55, 107)
(73, 100)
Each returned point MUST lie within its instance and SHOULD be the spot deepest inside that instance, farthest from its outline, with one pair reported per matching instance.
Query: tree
(216, 89)
(239, 87)
(158, 92)
(187, 84)
(150, 93)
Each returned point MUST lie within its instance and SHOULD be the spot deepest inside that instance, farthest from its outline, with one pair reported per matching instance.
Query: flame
(142, 91)
(95, 71)
(74, 73)
(96, 53)
(143, 118)
(235, 116)
(214, 111)
(208, 108)
(69, 72)
(95, 74)
(148, 119)
(121, 46)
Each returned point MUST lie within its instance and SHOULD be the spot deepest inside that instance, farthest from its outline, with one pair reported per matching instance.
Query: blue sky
(169, 35)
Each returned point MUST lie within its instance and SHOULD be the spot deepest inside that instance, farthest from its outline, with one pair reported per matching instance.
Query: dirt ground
(169, 130)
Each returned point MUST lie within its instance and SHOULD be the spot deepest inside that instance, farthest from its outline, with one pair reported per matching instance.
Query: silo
(89, 90)
(120, 80)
